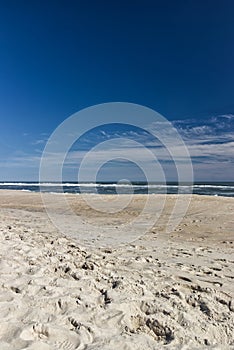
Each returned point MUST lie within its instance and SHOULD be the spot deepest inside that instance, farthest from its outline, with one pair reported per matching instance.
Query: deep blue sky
(57, 57)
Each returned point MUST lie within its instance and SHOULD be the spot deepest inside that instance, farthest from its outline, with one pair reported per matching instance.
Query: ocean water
(212, 189)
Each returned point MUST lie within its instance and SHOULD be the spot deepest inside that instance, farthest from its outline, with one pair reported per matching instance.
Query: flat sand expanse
(57, 292)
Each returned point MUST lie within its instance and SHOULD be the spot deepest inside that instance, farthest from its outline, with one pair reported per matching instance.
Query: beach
(158, 291)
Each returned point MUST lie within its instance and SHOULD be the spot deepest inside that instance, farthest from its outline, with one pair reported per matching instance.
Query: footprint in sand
(55, 337)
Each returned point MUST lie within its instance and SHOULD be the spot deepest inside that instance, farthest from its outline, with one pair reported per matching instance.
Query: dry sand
(58, 293)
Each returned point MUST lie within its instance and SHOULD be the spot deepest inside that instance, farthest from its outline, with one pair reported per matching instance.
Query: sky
(59, 57)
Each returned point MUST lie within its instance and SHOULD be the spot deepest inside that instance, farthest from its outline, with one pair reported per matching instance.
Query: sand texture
(56, 292)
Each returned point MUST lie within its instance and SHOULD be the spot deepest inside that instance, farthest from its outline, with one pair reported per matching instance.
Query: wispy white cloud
(210, 145)
(39, 142)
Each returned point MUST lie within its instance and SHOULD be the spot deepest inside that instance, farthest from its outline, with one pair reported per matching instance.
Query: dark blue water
(212, 189)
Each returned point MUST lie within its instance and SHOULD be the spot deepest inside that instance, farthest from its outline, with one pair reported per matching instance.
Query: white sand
(56, 293)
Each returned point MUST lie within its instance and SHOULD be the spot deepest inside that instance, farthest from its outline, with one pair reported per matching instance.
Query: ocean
(225, 189)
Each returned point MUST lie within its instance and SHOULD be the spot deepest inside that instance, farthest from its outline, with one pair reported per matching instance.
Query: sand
(56, 292)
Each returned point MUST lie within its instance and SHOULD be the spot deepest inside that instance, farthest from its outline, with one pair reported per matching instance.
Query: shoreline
(222, 189)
